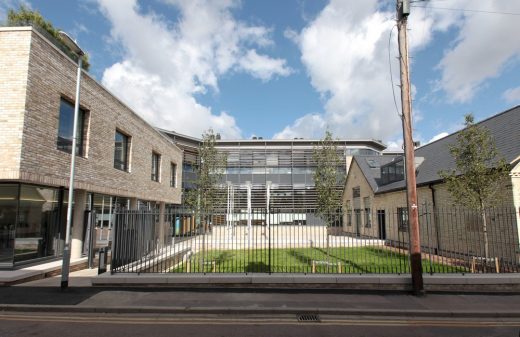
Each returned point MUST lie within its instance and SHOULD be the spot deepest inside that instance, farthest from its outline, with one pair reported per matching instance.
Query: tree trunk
(484, 229)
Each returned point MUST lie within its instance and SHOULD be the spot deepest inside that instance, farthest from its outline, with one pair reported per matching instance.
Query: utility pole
(403, 10)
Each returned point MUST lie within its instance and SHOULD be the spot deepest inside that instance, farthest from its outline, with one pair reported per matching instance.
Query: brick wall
(14, 64)
(51, 76)
(449, 230)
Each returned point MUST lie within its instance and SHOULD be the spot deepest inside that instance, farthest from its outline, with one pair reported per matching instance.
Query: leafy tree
(476, 183)
(326, 175)
(27, 17)
(209, 173)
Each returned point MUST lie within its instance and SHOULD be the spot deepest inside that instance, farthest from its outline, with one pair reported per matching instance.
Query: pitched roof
(371, 168)
(503, 127)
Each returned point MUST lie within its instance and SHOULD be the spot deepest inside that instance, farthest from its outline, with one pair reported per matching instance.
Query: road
(129, 325)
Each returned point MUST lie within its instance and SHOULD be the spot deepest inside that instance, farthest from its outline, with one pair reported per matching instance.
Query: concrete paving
(45, 295)
(37, 271)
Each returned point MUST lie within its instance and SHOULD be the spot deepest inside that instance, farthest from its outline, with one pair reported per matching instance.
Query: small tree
(326, 178)
(27, 17)
(476, 182)
(209, 173)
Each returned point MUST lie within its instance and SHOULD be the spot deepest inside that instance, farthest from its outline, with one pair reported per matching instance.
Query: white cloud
(308, 126)
(483, 47)
(263, 67)
(437, 137)
(512, 95)
(165, 64)
(345, 53)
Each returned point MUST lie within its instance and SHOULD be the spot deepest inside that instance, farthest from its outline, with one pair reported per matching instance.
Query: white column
(80, 200)
(249, 227)
(268, 202)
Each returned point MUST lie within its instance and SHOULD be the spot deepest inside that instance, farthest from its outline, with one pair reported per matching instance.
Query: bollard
(102, 266)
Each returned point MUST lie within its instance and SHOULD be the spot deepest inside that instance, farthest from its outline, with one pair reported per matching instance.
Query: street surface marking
(260, 321)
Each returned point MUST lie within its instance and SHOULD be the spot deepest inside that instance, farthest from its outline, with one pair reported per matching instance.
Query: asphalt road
(63, 324)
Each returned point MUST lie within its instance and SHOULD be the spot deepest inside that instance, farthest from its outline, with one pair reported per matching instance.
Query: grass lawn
(305, 260)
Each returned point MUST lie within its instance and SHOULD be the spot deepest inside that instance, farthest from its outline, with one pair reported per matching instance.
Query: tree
(476, 182)
(209, 173)
(27, 17)
(328, 161)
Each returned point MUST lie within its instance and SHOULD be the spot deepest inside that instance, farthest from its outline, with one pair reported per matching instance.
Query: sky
(295, 68)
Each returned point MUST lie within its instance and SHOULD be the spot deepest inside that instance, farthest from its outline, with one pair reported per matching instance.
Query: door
(381, 222)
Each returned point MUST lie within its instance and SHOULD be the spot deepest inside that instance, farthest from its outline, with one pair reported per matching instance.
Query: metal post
(411, 188)
(249, 227)
(66, 250)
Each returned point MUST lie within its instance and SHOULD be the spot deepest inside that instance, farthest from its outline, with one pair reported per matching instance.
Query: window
(356, 192)
(65, 128)
(349, 214)
(173, 175)
(368, 215)
(402, 219)
(156, 163)
(121, 151)
(392, 172)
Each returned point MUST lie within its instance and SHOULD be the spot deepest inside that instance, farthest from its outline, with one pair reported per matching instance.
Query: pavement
(45, 295)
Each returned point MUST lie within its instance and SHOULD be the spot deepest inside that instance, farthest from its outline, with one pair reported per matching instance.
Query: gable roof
(503, 127)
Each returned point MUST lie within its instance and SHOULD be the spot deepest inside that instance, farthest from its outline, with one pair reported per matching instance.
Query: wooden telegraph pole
(403, 10)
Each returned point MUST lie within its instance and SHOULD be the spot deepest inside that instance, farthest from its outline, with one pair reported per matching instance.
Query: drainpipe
(435, 219)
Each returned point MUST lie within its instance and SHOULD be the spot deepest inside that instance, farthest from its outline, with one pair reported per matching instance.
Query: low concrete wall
(432, 283)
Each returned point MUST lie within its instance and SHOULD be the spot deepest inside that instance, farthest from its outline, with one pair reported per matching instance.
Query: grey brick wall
(50, 76)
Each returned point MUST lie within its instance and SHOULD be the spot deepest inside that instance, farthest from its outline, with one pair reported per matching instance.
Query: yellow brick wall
(14, 65)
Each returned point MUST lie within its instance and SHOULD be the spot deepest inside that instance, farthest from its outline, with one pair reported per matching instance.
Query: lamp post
(73, 46)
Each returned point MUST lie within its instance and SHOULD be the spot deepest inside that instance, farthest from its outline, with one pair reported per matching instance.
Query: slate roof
(372, 174)
(504, 128)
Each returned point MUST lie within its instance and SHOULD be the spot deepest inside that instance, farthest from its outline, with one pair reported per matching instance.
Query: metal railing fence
(356, 241)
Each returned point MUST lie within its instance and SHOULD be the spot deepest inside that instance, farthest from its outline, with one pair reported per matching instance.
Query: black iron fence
(358, 241)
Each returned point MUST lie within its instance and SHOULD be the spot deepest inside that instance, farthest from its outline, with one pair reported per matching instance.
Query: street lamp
(73, 46)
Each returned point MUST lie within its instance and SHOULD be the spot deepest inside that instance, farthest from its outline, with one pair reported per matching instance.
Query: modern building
(277, 173)
(375, 194)
(122, 161)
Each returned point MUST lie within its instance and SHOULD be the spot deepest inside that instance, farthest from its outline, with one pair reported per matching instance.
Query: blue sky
(293, 68)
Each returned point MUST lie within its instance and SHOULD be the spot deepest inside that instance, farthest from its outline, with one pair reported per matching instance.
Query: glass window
(121, 151)
(38, 231)
(402, 219)
(368, 215)
(65, 128)
(8, 207)
(356, 192)
(156, 163)
(173, 175)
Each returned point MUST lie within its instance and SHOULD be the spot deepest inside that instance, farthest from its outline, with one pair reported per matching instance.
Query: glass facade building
(280, 173)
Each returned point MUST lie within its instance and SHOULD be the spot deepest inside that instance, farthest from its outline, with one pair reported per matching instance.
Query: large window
(65, 128)
(31, 221)
(156, 164)
(173, 175)
(121, 151)
(392, 172)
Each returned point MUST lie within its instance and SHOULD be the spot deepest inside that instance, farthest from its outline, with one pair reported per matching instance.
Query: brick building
(122, 161)
(375, 206)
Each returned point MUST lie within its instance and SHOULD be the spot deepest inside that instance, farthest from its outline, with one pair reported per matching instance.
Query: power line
(391, 75)
(467, 10)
